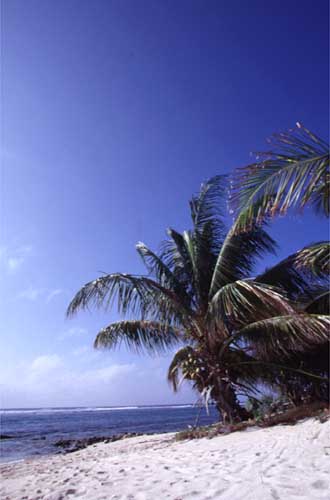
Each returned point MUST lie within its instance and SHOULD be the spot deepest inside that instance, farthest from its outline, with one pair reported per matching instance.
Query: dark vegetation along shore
(290, 417)
(239, 335)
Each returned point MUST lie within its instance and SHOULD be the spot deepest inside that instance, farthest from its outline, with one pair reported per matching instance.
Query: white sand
(283, 462)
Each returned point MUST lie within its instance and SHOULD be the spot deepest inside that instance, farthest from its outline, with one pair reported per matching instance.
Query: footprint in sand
(320, 485)
(274, 494)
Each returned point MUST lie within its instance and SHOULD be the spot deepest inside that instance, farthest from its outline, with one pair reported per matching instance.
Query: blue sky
(113, 113)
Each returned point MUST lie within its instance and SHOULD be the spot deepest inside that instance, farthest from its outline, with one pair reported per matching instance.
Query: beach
(281, 462)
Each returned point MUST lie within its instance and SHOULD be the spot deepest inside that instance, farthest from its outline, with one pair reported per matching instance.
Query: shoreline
(35, 433)
(281, 462)
(72, 445)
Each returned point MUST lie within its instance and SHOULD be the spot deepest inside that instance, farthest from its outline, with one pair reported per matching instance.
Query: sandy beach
(283, 462)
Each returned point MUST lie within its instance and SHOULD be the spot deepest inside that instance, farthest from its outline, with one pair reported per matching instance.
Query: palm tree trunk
(226, 401)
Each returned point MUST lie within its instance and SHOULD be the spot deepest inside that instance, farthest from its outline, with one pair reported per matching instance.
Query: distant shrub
(266, 406)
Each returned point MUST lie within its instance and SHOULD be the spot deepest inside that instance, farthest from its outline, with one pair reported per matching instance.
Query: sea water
(35, 431)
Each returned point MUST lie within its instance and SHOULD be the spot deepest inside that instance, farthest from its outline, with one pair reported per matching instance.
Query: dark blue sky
(114, 112)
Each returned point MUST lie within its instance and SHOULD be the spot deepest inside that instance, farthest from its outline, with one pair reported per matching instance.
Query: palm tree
(294, 173)
(198, 294)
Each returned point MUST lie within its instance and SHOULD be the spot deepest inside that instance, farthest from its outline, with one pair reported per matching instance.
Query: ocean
(34, 431)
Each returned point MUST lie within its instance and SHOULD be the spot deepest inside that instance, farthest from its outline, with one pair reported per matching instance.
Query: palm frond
(206, 253)
(135, 294)
(316, 360)
(174, 254)
(189, 242)
(295, 172)
(242, 302)
(320, 304)
(238, 256)
(191, 260)
(181, 357)
(282, 337)
(188, 255)
(315, 259)
(204, 241)
(208, 207)
(293, 274)
(322, 197)
(192, 366)
(202, 262)
(283, 371)
(142, 335)
(286, 276)
(162, 273)
(248, 371)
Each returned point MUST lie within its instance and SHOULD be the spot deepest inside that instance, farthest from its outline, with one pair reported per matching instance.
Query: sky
(113, 113)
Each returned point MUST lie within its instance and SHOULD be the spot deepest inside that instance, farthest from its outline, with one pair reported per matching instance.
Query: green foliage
(234, 331)
(139, 335)
(244, 301)
(294, 173)
(268, 405)
(299, 282)
(314, 259)
(281, 337)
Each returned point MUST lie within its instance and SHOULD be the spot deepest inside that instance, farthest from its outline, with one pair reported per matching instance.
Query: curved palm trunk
(223, 393)
(227, 403)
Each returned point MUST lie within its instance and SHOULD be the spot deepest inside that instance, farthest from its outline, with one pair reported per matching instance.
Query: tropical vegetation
(292, 174)
(234, 331)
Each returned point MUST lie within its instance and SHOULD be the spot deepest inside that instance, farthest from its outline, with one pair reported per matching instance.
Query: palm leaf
(202, 263)
(189, 241)
(287, 277)
(181, 357)
(293, 274)
(150, 336)
(315, 259)
(204, 242)
(191, 255)
(277, 371)
(238, 255)
(208, 208)
(243, 302)
(320, 304)
(294, 173)
(135, 294)
(249, 373)
(163, 274)
(206, 257)
(176, 257)
(282, 337)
